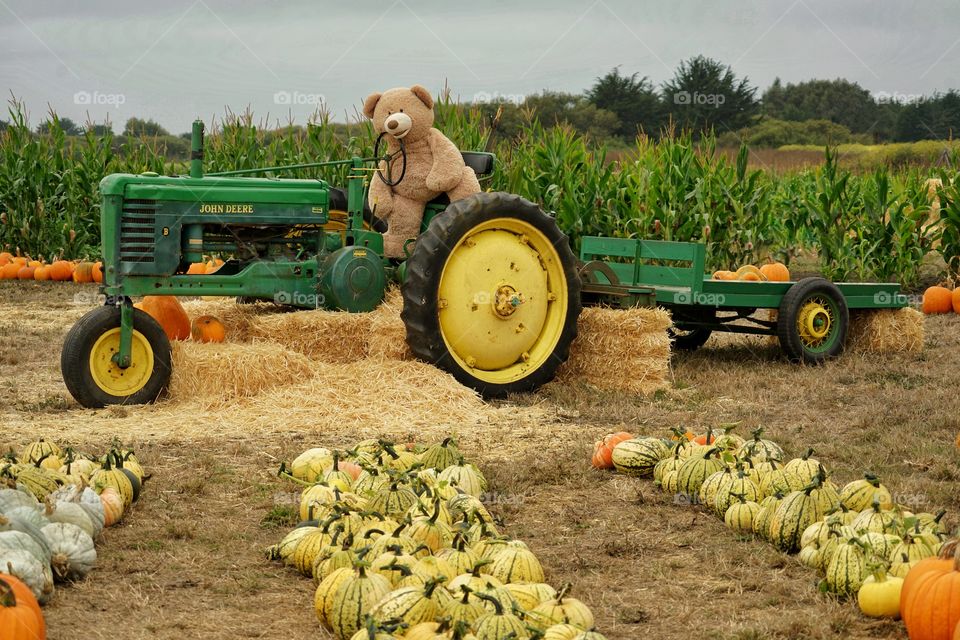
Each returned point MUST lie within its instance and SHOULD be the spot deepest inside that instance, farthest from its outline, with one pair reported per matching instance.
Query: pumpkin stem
(466, 593)
(807, 455)
(872, 479)
(8, 598)
(430, 586)
(497, 606)
(562, 593)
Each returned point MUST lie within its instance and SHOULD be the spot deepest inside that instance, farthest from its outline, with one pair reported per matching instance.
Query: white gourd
(18, 540)
(73, 513)
(12, 499)
(33, 515)
(73, 553)
(32, 572)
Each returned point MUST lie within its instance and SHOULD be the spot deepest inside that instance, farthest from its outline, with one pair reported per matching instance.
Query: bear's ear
(423, 94)
(370, 104)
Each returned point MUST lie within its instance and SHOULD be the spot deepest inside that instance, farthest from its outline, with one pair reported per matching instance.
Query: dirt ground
(188, 559)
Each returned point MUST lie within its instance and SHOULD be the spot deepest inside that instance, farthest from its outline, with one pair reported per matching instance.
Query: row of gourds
(54, 504)
(24, 268)
(770, 272)
(400, 545)
(859, 540)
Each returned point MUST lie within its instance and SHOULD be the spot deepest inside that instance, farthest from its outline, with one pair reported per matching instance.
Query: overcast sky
(175, 60)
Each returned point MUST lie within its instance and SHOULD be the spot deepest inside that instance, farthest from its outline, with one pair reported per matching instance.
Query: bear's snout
(398, 125)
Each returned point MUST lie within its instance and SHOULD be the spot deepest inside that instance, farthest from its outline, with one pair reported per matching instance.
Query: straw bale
(885, 331)
(326, 336)
(388, 335)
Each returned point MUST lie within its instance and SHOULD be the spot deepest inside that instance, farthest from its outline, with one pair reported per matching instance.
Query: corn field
(878, 226)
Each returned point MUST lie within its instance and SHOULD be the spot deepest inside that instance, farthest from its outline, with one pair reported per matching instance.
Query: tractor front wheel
(88, 368)
(492, 294)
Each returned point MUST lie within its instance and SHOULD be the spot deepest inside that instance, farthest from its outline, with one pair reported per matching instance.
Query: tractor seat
(482, 164)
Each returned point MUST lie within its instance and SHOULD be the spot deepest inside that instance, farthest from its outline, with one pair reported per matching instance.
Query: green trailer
(491, 289)
(811, 317)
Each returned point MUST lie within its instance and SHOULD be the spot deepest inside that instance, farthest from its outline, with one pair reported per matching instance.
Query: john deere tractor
(491, 289)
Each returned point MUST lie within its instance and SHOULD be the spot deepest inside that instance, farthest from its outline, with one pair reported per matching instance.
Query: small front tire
(812, 321)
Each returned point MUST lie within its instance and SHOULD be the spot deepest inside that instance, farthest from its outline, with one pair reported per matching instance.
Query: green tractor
(491, 289)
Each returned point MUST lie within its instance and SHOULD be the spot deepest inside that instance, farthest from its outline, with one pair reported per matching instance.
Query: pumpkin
(20, 615)
(41, 273)
(879, 595)
(73, 552)
(441, 455)
(937, 300)
(776, 272)
(113, 506)
(31, 571)
(5, 257)
(83, 273)
(638, 456)
(603, 449)
(61, 270)
(929, 605)
(562, 610)
(9, 271)
(96, 272)
(197, 269)
(169, 314)
(724, 275)
(208, 329)
(73, 513)
(26, 273)
(749, 272)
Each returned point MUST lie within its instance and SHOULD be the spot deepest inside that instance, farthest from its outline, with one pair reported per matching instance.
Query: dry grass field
(187, 562)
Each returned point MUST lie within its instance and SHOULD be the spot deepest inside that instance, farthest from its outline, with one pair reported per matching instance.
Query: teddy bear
(433, 164)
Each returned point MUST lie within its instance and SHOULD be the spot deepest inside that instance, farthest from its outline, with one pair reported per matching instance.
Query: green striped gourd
(310, 465)
(465, 477)
(880, 544)
(562, 632)
(561, 610)
(860, 494)
(740, 515)
(826, 496)
(425, 569)
(841, 515)
(847, 568)
(393, 565)
(397, 538)
(728, 441)
(806, 467)
(323, 596)
(285, 549)
(875, 519)
(373, 631)
(315, 501)
(713, 485)
(411, 605)
(911, 549)
(529, 595)
(459, 555)
(761, 522)
(36, 451)
(901, 566)
(589, 635)
(464, 504)
(109, 475)
(41, 482)
(441, 455)
(333, 557)
(354, 598)
(931, 523)
(308, 548)
(431, 532)
(694, 470)
(759, 449)
(670, 463)
(499, 624)
(797, 511)
(816, 534)
(740, 484)
(392, 499)
(397, 459)
(333, 477)
(638, 456)
(671, 481)
(835, 537)
(781, 480)
(517, 564)
(369, 482)
(809, 557)
(465, 608)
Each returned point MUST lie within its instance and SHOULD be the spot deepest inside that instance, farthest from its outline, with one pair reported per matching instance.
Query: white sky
(178, 59)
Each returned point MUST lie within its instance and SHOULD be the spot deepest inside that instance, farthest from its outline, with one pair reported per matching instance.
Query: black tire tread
(787, 319)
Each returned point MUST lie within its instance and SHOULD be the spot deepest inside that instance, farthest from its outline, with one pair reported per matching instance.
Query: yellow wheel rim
(814, 322)
(502, 300)
(110, 377)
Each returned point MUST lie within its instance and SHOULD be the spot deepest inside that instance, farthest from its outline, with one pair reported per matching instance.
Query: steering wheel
(402, 152)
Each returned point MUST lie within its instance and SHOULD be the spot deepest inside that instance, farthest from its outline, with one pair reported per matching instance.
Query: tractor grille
(137, 230)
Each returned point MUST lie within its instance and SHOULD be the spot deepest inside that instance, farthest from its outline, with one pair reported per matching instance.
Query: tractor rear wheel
(492, 294)
(91, 376)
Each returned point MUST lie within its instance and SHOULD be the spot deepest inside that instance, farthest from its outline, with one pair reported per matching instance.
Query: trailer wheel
(812, 321)
(90, 375)
(688, 339)
(492, 295)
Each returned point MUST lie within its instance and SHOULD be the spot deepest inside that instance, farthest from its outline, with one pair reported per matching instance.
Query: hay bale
(325, 336)
(236, 318)
(222, 372)
(885, 331)
(621, 349)
(388, 335)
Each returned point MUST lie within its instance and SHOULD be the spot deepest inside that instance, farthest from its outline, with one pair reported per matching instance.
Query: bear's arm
(447, 169)
(380, 198)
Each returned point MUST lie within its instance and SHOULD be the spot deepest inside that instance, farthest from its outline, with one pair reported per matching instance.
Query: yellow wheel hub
(109, 376)
(502, 300)
(814, 322)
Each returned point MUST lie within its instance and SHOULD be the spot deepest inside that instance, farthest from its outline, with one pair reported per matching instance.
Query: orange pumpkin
(169, 313)
(750, 277)
(5, 258)
(350, 467)
(724, 275)
(61, 270)
(83, 273)
(97, 272)
(20, 615)
(26, 273)
(208, 329)
(42, 273)
(9, 271)
(937, 300)
(112, 503)
(776, 272)
(707, 438)
(34, 263)
(197, 269)
(955, 300)
(929, 602)
(603, 449)
(20, 260)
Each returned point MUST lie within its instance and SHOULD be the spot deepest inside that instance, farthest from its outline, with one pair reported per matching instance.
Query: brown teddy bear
(434, 164)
